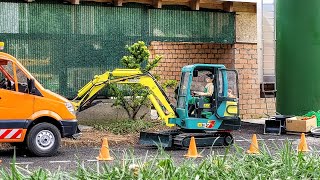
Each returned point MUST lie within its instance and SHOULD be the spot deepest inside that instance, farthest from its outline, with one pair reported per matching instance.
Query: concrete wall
(105, 111)
(246, 27)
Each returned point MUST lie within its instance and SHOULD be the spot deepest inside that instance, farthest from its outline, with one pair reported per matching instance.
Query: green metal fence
(64, 46)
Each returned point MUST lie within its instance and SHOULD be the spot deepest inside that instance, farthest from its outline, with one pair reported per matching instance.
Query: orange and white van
(30, 115)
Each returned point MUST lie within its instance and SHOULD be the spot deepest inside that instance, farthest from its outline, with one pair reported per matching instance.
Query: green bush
(133, 96)
(124, 126)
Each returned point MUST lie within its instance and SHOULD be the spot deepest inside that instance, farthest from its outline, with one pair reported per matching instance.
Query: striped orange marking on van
(10, 133)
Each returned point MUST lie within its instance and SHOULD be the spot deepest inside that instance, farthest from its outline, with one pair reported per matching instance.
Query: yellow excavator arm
(127, 76)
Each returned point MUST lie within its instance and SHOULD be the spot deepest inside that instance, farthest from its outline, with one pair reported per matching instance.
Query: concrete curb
(254, 121)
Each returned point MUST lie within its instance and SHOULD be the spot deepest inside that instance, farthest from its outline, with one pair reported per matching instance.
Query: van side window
(6, 71)
(3, 80)
(9, 68)
(2, 76)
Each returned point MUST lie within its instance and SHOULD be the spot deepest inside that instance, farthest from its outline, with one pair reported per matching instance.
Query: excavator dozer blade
(156, 139)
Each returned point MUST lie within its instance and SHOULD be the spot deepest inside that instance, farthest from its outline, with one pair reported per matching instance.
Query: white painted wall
(266, 40)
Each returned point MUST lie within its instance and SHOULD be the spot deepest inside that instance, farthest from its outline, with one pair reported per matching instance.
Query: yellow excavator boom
(127, 76)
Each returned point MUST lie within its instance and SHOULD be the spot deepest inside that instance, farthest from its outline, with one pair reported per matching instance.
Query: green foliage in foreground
(286, 163)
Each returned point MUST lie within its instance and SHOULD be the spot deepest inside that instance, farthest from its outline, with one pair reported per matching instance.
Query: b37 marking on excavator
(209, 124)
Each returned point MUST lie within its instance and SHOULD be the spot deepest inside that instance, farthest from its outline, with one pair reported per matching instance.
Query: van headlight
(70, 108)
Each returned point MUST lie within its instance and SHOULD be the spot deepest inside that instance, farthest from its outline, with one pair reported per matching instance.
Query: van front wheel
(43, 139)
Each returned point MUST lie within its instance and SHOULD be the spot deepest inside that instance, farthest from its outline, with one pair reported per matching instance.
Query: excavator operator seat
(205, 109)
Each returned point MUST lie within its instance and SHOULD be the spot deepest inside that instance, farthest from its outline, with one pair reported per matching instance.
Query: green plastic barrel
(298, 56)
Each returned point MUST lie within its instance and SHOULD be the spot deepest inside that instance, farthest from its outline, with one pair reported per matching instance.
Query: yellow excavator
(210, 120)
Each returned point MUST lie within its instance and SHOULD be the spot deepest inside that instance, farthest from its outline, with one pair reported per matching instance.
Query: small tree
(133, 96)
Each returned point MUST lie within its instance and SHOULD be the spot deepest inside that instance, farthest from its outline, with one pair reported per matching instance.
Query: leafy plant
(169, 84)
(139, 55)
(133, 96)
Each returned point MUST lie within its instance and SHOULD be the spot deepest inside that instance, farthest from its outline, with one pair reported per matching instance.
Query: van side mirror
(31, 86)
(195, 73)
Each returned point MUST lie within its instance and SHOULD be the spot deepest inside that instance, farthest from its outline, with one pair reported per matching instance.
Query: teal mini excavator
(208, 118)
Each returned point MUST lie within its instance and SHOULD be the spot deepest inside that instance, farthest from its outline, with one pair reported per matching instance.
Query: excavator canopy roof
(190, 68)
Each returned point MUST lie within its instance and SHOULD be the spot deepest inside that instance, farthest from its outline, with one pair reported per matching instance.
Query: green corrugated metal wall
(64, 46)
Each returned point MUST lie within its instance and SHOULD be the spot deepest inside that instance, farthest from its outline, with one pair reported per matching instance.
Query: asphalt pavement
(70, 158)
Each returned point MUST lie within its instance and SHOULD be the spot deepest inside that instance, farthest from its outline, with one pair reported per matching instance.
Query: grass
(121, 126)
(285, 163)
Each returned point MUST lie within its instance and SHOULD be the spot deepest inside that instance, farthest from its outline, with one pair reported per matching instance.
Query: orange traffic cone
(192, 151)
(104, 151)
(254, 147)
(303, 147)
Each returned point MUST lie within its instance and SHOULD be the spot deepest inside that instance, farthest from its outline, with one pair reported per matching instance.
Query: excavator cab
(199, 109)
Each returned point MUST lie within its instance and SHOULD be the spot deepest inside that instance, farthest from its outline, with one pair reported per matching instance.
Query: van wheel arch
(47, 120)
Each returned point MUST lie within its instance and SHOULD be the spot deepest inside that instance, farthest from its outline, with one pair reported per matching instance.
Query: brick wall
(242, 57)
(246, 63)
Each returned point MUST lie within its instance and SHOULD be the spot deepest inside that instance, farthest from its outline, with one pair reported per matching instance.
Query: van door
(228, 94)
(16, 104)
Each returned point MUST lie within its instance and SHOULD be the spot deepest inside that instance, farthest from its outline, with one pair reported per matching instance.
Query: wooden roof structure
(226, 5)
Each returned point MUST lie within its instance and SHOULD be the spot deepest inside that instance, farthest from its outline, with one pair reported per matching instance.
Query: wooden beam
(157, 4)
(75, 1)
(228, 6)
(117, 2)
(244, 7)
(195, 4)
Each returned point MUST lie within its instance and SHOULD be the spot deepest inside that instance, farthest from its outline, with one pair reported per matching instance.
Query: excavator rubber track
(180, 139)
(158, 139)
(207, 139)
